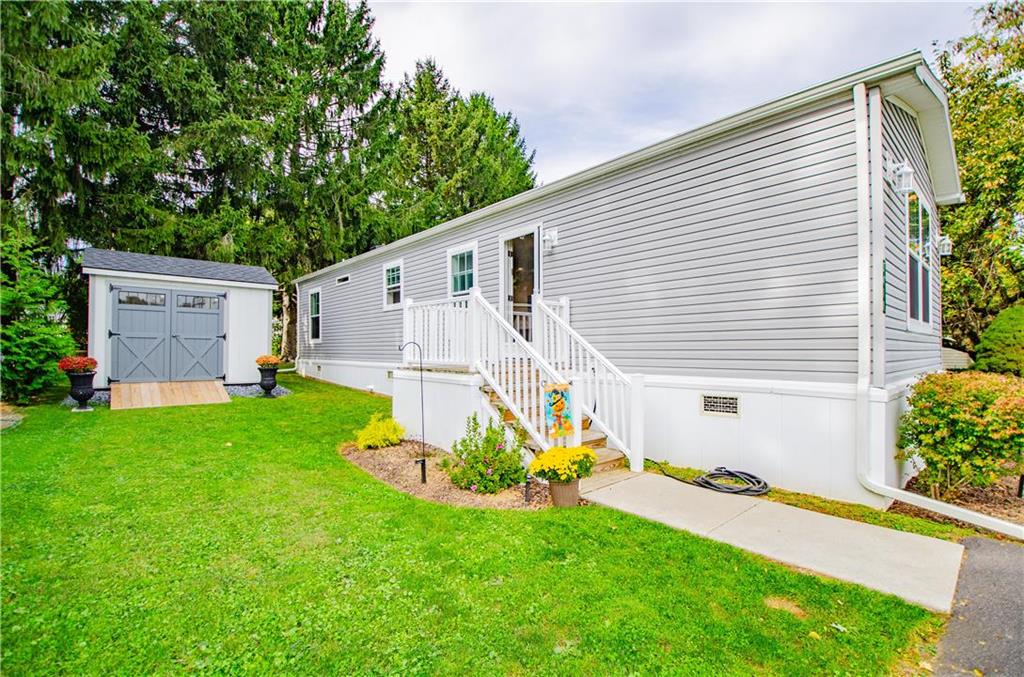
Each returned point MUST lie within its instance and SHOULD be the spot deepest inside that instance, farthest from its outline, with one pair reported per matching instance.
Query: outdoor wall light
(945, 246)
(905, 178)
(549, 239)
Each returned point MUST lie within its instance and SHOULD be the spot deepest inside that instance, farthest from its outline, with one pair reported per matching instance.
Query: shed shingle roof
(108, 259)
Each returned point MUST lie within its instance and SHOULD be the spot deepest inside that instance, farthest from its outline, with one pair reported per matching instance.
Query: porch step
(591, 438)
(609, 459)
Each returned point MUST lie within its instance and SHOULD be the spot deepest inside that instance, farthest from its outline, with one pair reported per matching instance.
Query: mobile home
(759, 292)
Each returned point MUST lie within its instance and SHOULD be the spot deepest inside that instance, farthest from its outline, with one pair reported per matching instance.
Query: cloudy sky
(590, 81)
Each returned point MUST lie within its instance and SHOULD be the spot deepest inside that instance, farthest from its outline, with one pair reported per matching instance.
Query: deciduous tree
(984, 76)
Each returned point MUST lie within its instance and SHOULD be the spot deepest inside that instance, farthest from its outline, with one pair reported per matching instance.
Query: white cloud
(592, 81)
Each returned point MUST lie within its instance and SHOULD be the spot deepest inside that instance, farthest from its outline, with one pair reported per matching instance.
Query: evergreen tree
(449, 155)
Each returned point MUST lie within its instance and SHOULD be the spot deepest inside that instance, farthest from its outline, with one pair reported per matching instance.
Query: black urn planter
(81, 389)
(268, 380)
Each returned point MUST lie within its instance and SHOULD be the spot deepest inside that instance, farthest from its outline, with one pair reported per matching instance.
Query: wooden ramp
(167, 394)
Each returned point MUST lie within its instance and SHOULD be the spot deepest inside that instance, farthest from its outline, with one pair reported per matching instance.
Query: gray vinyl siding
(733, 258)
(907, 353)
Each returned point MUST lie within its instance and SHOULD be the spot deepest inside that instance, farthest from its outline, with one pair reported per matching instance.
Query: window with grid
(919, 261)
(462, 272)
(314, 315)
(393, 285)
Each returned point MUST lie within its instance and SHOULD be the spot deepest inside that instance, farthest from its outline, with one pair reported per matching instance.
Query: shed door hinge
(111, 333)
(223, 336)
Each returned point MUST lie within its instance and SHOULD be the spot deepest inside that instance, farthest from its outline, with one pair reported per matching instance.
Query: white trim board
(537, 228)
(461, 249)
(183, 279)
(309, 315)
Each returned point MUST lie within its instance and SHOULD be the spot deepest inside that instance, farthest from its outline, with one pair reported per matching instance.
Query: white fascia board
(839, 87)
(179, 279)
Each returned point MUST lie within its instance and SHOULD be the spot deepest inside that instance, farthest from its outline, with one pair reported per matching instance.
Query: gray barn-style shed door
(140, 328)
(165, 335)
(197, 336)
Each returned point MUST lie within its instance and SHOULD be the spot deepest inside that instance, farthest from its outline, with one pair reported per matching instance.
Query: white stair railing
(612, 400)
(470, 332)
(513, 369)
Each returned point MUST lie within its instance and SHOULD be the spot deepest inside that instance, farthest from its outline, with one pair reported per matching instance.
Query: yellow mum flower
(564, 464)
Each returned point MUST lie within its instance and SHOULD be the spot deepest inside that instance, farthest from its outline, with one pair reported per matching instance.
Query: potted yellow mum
(563, 467)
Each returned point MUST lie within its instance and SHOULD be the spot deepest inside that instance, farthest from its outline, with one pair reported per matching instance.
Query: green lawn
(233, 538)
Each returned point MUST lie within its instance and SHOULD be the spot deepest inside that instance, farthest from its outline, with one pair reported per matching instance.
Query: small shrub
(1001, 348)
(483, 460)
(380, 432)
(564, 464)
(967, 427)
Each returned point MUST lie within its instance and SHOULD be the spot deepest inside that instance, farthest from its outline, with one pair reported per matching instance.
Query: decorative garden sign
(557, 410)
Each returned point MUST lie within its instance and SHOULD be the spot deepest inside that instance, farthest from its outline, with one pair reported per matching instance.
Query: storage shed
(161, 318)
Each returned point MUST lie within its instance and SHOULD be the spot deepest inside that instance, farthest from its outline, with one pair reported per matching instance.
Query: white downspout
(864, 342)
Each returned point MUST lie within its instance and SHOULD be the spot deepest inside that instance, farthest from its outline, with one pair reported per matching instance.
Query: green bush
(33, 334)
(380, 432)
(1001, 348)
(483, 460)
(967, 427)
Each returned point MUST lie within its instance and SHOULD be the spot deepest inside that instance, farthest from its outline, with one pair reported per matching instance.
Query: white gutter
(863, 404)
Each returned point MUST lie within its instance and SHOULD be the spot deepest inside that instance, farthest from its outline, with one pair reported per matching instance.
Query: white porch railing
(441, 328)
(612, 400)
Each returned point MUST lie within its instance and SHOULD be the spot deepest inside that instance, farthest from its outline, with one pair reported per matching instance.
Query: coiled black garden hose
(750, 485)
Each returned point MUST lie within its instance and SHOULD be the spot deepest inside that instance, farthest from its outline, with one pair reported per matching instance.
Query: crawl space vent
(720, 405)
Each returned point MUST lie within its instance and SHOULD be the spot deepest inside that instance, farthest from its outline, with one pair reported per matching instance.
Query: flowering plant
(268, 361)
(564, 464)
(483, 461)
(75, 364)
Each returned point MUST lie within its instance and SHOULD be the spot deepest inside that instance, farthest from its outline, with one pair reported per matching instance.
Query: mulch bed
(395, 466)
(999, 500)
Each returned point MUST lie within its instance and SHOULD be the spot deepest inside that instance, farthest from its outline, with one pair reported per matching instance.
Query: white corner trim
(180, 279)
(878, 238)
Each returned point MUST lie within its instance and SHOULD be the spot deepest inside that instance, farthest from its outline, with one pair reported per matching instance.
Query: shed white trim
(176, 279)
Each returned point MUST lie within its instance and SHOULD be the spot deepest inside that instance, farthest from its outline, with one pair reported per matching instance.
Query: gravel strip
(255, 391)
(99, 398)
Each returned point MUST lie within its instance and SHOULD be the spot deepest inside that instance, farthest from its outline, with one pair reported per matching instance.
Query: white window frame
(924, 293)
(384, 284)
(452, 252)
(309, 314)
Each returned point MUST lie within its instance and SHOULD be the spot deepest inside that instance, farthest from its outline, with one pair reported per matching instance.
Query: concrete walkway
(919, 569)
